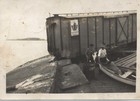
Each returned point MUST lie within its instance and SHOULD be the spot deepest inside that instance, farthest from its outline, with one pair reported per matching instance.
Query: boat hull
(116, 76)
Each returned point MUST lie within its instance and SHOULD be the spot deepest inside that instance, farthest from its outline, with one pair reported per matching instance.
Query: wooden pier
(128, 61)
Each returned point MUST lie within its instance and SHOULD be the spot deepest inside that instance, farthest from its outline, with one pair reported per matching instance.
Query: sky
(26, 18)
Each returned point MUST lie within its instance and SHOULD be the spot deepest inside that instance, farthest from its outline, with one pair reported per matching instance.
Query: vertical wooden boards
(113, 30)
(75, 41)
(134, 27)
(83, 35)
(48, 37)
(99, 31)
(75, 46)
(51, 35)
(52, 39)
(57, 34)
(130, 28)
(106, 31)
(65, 37)
(91, 28)
(47, 30)
(122, 29)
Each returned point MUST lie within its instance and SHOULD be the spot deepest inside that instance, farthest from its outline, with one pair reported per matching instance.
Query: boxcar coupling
(70, 34)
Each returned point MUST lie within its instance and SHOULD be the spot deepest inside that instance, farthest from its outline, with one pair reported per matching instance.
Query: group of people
(99, 56)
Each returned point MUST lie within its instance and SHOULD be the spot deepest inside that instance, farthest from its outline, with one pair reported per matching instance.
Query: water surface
(15, 53)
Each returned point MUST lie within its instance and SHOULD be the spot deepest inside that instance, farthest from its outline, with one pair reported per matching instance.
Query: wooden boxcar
(71, 34)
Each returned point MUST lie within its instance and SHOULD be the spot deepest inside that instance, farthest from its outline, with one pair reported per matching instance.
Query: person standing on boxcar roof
(89, 52)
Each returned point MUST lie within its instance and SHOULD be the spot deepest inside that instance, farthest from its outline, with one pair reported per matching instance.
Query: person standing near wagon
(89, 52)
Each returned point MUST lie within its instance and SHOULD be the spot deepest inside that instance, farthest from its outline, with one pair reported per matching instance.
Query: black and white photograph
(66, 47)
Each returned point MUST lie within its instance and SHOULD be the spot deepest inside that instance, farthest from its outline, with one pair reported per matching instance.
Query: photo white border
(72, 96)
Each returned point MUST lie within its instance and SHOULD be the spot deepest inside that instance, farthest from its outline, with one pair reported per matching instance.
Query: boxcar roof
(92, 14)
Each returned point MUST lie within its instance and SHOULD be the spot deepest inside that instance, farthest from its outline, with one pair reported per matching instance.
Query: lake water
(15, 53)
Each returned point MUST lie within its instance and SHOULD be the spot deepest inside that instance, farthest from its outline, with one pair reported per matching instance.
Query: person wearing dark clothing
(57, 55)
(89, 52)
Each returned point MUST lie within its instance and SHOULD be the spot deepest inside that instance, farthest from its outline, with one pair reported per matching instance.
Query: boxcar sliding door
(116, 30)
(122, 30)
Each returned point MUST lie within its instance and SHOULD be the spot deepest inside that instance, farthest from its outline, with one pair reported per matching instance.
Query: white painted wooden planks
(127, 61)
(125, 58)
(126, 74)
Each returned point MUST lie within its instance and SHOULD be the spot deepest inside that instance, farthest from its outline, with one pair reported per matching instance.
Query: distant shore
(27, 39)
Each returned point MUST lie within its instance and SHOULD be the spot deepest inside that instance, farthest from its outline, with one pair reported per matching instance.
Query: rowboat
(127, 76)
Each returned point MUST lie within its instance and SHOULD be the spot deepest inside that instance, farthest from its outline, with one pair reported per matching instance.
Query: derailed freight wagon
(71, 34)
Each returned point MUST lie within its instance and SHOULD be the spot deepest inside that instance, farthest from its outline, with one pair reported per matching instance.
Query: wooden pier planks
(127, 61)
(125, 58)
(126, 74)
